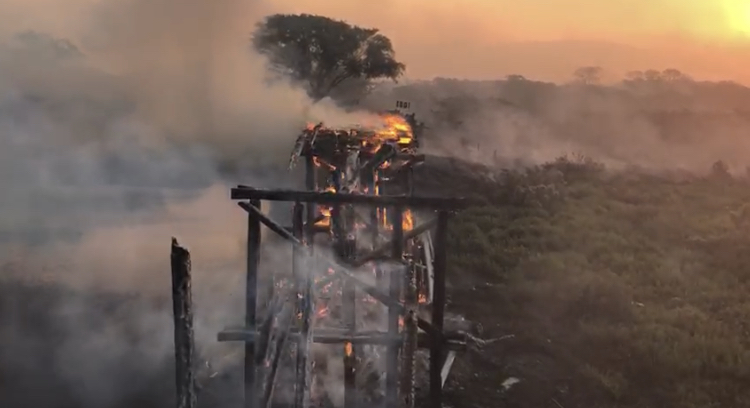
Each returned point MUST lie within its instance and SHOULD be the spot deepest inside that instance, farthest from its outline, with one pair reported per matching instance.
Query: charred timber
(452, 341)
(383, 249)
(251, 304)
(387, 152)
(302, 389)
(394, 312)
(263, 336)
(276, 347)
(184, 342)
(390, 301)
(408, 380)
(437, 203)
(300, 277)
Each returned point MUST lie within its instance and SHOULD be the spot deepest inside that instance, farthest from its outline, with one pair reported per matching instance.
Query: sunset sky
(544, 39)
(549, 38)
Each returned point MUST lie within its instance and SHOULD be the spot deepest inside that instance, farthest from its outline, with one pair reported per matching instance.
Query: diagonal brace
(367, 288)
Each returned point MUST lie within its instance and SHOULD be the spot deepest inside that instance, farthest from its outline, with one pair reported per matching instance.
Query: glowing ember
(320, 163)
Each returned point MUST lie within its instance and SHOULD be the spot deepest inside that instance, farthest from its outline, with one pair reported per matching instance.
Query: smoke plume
(118, 122)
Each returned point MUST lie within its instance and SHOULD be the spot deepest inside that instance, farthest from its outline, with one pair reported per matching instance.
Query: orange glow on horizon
(492, 38)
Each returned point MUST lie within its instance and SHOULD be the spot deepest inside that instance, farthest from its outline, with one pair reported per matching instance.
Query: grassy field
(622, 290)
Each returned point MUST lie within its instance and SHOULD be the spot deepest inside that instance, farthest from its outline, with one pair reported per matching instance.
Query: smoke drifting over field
(658, 124)
(110, 145)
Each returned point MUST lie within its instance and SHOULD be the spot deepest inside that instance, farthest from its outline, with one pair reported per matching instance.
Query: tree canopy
(591, 75)
(321, 53)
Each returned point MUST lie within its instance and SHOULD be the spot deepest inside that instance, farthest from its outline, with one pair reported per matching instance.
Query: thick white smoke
(122, 123)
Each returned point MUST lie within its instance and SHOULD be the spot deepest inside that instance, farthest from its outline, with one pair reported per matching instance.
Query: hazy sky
(491, 38)
(479, 38)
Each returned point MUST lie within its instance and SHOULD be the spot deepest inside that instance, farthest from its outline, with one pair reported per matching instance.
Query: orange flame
(408, 222)
(326, 211)
(396, 128)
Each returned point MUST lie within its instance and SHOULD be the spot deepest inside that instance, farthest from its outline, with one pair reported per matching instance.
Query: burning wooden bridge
(357, 253)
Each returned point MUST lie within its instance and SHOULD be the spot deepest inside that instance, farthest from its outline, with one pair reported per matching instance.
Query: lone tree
(322, 53)
(588, 75)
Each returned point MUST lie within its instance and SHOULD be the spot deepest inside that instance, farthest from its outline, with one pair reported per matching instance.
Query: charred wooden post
(251, 301)
(273, 357)
(397, 253)
(438, 312)
(375, 229)
(410, 335)
(410, 180)
(310, 185)
(302, 386)
(262, 337)
(184, 343)
(343, 246)
(300, 280)
(350, 351)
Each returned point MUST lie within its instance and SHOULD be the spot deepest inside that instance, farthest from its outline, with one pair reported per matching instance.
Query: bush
(641, 280)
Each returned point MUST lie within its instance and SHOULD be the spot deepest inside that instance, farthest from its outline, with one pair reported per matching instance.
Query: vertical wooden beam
(397, 252)
(251, 299)
(375, 224)
(302, 387)
(350, 352)
(438, 311)
(311, 180)
(410, 337)
(184, 342)
(299, 272)
(343, 247)
(409, 180)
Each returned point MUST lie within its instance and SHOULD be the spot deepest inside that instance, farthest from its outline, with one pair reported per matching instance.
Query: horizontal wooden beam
(453, 341)
(437, 203)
